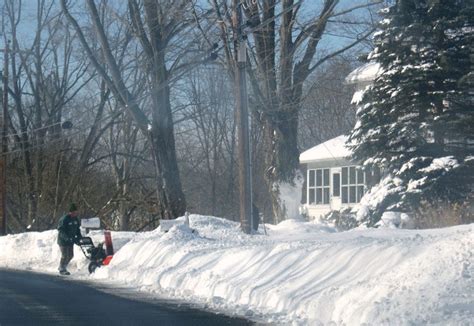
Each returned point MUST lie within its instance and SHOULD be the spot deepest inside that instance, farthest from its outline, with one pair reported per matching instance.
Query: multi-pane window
(318, 186)
(352, 184)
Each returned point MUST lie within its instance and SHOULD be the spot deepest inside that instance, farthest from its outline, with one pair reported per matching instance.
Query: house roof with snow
(332, 149)
(365, 73)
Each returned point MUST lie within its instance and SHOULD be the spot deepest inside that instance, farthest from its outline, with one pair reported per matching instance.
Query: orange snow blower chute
(109, 248)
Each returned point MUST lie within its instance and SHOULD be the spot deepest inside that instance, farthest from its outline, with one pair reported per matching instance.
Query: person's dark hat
(72, 207)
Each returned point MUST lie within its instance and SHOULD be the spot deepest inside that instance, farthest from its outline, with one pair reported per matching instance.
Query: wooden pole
(240, 53)
(3, 160)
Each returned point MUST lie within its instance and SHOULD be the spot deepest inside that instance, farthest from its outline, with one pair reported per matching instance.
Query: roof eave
(325, 160)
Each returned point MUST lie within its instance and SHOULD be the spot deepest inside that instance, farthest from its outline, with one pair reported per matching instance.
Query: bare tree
(155, 25)
(326, 110)
(44, 80)
(207, 141)
(285, 49)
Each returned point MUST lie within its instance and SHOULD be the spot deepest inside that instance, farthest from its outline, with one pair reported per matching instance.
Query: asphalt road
(28, 298)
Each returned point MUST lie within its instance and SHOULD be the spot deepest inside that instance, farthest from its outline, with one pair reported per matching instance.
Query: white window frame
(350, 184)
(315, 187)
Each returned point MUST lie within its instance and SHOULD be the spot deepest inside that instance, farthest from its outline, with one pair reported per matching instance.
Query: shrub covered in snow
(343, 220)
(421, 185)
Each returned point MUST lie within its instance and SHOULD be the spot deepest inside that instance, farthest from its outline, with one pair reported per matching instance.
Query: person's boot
(63, 271)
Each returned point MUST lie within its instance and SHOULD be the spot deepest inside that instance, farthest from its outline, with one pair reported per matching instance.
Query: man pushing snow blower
(68, 235)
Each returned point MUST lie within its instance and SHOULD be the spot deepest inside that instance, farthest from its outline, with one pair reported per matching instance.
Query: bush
(443, 214)
(343, 220)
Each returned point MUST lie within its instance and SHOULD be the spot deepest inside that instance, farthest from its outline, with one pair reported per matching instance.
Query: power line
(138, 99)
(149, 92)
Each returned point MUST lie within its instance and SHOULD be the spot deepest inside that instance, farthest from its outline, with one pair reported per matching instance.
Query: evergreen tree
(416, 121)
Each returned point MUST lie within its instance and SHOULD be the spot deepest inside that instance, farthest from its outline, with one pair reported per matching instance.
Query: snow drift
(300, 273)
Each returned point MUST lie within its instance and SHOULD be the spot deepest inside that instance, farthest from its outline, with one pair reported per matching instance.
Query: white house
(333, 180)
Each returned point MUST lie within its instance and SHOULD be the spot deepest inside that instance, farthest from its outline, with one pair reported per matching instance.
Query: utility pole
(240, 55)
(3, 159)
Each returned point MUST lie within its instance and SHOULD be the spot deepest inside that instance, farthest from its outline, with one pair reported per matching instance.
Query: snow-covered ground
(298, 273)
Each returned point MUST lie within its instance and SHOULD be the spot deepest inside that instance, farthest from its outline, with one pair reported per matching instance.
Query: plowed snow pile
(298, 273)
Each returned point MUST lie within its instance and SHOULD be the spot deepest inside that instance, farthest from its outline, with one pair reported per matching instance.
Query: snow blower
(97, 255)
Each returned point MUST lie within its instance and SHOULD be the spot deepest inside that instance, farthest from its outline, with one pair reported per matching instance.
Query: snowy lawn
(300, 273)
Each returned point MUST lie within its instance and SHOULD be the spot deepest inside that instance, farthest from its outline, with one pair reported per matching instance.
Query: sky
(293, 273)
(309, 9)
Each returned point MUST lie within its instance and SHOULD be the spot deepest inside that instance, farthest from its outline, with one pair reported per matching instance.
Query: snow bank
(301, 273)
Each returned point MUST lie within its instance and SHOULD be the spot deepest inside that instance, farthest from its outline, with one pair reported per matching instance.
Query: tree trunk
(282, 159)
(169, 191)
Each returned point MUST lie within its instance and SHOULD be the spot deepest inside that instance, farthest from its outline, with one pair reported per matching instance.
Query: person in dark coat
(68, 235)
